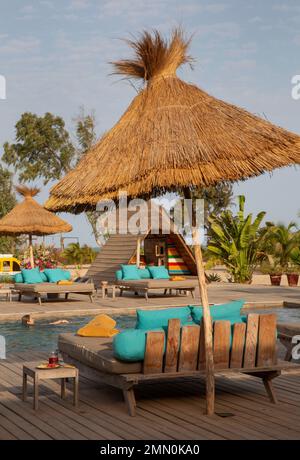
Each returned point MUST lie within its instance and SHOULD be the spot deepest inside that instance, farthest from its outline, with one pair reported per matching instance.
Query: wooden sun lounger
(145, 286)
(37, 290)
(253, 352)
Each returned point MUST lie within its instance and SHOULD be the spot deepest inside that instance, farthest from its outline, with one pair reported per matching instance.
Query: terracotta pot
(293, 279)
(275, 280)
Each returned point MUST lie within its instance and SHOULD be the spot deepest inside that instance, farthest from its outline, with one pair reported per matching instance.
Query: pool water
(43, 336)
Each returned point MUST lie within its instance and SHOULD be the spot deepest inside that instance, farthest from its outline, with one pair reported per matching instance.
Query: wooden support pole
(31, 252)
(210, 378)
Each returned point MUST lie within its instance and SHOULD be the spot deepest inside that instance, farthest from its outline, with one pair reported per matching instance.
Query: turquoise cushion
(119, 275)
(18, 278)
(149, 319)
(130, 345)
(57, 274)
(159, 273)
(144, 273)
(44, 276)
(224, 311)
(32, 276)
(130, 272)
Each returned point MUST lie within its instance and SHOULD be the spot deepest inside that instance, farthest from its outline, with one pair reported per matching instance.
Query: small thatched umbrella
(30, 218)
(174, 136)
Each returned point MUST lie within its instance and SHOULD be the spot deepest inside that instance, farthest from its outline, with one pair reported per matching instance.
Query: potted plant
(274, 270)
(292, 275)
(294, 268)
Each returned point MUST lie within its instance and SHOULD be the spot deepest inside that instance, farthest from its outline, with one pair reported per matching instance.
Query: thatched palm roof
(172, 135)
(30, 218)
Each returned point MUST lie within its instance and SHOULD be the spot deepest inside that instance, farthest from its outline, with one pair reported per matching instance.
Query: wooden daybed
(253, 352)
(40, 289)
(146, 285)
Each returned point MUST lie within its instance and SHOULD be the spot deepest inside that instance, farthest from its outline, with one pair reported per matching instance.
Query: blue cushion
(32, 276)
(18, 278)
(130, 272)
(44, 276)
(119, 275)
(159, 273)
(149, 319)
(57, 274)
(224, 311)
(130, 345)
(144, 273)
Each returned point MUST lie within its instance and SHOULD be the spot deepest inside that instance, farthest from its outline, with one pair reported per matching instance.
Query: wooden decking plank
(265, 425)
(187, 405)
(73, 421)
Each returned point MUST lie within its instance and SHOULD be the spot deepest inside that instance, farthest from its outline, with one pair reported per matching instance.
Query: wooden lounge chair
(37, 290)
(146, 285)
(253, 352)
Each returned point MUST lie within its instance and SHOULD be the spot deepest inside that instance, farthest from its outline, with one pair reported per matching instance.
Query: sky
(55, 54)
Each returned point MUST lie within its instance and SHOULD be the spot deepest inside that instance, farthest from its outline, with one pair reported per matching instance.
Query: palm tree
(281, 243)
(236, 240)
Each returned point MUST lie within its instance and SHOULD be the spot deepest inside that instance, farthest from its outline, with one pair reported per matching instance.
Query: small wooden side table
(105, 288)
(61, 373)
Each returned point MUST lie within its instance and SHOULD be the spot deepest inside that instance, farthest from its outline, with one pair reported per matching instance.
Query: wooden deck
(165, 411)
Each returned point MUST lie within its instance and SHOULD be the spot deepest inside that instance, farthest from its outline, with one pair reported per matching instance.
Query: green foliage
(282, 243)
(43, 148)
(236, 241)
(75, 254)
(85, 130)
(216, 199)
(6, 279)
(7, 202)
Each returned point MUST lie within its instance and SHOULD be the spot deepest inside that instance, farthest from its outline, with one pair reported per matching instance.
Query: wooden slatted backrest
(239, 346)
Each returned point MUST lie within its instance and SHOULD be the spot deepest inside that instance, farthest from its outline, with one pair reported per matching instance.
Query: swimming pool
(43, 336)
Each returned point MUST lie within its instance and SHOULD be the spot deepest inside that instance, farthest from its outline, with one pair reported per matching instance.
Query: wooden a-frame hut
(159, 248)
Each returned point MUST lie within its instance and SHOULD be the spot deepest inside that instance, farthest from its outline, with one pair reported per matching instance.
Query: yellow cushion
(177, 278)
(64, 282)
(103, 321)
(96, 331)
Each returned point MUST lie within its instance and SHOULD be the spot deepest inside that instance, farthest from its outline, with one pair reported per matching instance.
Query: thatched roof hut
(30, 218)
(172, 135)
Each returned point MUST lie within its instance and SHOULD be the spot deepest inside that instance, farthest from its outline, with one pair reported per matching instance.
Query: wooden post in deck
(31, 252)
(209, 359)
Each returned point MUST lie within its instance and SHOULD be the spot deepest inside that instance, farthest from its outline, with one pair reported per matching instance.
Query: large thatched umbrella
(30, 218)
(174, 136)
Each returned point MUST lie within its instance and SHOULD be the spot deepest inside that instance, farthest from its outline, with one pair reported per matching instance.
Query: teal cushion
(144, 273)
(159, 273)
(18, 278)
(44, 276)
(57, 274)
(149, 319)
(224, 311)
(130, 272)
(130, 345)
(32, 276)
(119, 275)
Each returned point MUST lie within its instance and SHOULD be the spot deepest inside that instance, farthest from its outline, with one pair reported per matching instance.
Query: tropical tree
(43, 148)
(282, 242)
(7, 202)
(237, 242)
(75, 254)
